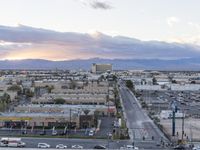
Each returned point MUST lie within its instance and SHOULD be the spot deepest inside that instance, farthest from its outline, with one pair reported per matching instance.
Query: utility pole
(174, 110)
(182, 126)
(70, 117)
(191, 133)
(173, 123)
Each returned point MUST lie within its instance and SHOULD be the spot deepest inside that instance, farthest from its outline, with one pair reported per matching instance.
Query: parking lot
(187, 101)
(191, 128)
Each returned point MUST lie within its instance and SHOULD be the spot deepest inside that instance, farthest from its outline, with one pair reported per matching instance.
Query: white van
(12, 142)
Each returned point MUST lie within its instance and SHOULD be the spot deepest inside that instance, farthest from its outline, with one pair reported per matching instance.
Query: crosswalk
(140, 134)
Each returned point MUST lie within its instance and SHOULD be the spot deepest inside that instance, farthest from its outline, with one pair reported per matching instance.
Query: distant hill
(118, 64)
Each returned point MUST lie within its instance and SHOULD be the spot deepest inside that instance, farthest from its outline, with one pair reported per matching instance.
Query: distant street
(139, 124)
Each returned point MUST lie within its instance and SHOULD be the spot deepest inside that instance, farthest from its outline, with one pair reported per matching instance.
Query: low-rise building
(79, 116)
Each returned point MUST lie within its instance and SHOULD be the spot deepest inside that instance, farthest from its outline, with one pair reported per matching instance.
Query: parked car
(131, 147)
(77, 147)
(61, 146)
(181, 147)
(54, 132)
(43, 145)
(91, 133)
(62, 133)
(158, 143)
(43, 133)
(24, 132)
(99, 147)
(196, 148)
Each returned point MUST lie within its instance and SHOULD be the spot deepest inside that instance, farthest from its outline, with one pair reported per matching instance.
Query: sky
(112, 28)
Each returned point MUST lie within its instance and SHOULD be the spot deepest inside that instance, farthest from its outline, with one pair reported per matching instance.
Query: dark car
(62, 133)
(43, 133)
(180, 147)
(99, 147)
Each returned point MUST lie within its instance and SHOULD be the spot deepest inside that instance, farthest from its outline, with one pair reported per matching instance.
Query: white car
(54, 133)
(77, 147)
(43, 145)
(131, 147)
(196, 148)
(91, 133)
(21, 144)
(61, 146)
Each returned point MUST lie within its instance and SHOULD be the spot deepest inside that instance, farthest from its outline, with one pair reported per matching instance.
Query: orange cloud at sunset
(49, 52)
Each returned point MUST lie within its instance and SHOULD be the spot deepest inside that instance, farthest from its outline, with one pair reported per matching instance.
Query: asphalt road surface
(86, 143)
(139, 124)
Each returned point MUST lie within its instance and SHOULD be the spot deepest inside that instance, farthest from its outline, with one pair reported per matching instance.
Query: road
(139, 124)
(86, 143)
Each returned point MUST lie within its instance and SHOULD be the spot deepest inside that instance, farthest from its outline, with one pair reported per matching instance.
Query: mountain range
(185, 64)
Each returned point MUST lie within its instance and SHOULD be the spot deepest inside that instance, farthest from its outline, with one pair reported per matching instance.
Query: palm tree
(86, 111)
(5, 100)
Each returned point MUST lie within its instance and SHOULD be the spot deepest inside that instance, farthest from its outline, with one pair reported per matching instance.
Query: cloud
(96, 4)
(195, 26)
(23, 42)
(193, 38)
(171, 21)
(100, 5)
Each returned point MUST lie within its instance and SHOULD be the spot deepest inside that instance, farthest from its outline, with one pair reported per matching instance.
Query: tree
(170, 77)
(129, 84)
(59, 101)
(4, 101)
(101, 78)
(72, 84)
(115, 93)
(174, 81)
(49, 88)
(29, 93)
(86, 111)
(114, 78)
(144, 104)
(14, 88)
(154, 81)
(6, 98)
